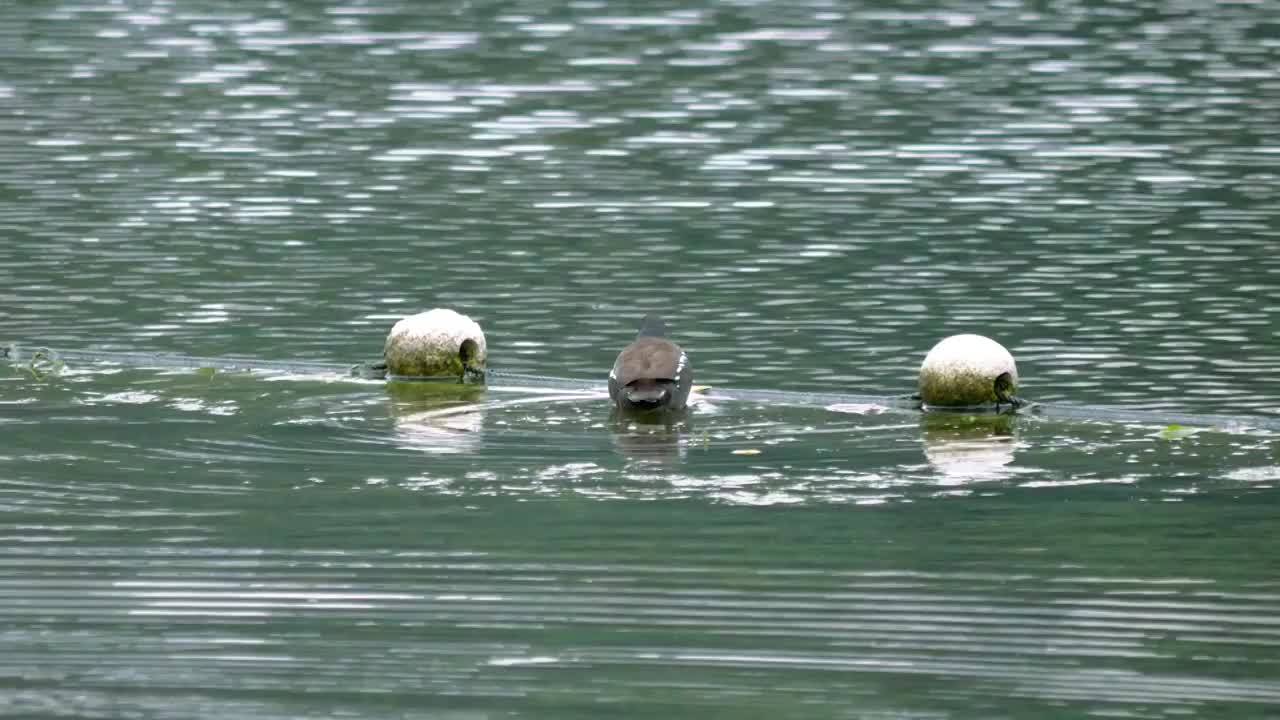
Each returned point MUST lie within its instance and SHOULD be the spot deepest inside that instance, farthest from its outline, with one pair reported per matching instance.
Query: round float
(439, 343)
(968, 371)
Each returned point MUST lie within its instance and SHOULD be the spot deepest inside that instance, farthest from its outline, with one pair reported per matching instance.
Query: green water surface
(811, 193)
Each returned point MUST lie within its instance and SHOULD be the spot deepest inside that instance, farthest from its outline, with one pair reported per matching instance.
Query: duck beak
(647, 397)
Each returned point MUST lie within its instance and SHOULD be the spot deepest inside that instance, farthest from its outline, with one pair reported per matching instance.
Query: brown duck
(651, 374)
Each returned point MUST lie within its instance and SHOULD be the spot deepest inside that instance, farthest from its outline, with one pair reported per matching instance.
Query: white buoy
(437, 343)
(967, 371)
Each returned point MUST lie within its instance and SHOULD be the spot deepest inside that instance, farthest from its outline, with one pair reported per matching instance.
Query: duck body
(652, 374)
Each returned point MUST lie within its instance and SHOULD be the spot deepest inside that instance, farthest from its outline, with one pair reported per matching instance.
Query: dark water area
(811, 193)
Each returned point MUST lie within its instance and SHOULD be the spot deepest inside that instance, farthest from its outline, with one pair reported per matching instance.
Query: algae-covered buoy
(968, 371)
(438, 343)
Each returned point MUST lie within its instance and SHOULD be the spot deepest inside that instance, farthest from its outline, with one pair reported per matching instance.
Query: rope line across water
(44, 358)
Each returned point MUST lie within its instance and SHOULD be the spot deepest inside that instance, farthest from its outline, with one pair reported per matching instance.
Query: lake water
(811, 193)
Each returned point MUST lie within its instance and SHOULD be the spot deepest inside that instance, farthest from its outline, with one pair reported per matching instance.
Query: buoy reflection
(440, 418)
(967, 448)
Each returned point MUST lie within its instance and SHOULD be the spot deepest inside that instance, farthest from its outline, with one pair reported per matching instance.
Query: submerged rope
(35, 355)
(44, 358)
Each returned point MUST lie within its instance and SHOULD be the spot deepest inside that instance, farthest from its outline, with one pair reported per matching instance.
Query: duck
(652, 374)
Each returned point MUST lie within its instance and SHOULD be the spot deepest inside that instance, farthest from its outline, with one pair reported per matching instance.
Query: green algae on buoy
(968, 371)
(439, 343)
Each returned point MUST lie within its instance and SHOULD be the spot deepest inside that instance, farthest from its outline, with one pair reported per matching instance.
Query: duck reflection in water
(650, 439)
(440, 418)
(969, 447)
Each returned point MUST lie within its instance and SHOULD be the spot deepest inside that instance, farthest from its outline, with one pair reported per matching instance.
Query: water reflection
(438, 418)
(969, 447)
(650, 440)
(814, 191)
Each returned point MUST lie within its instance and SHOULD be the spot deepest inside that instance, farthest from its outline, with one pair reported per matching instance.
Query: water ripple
(812, 194)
